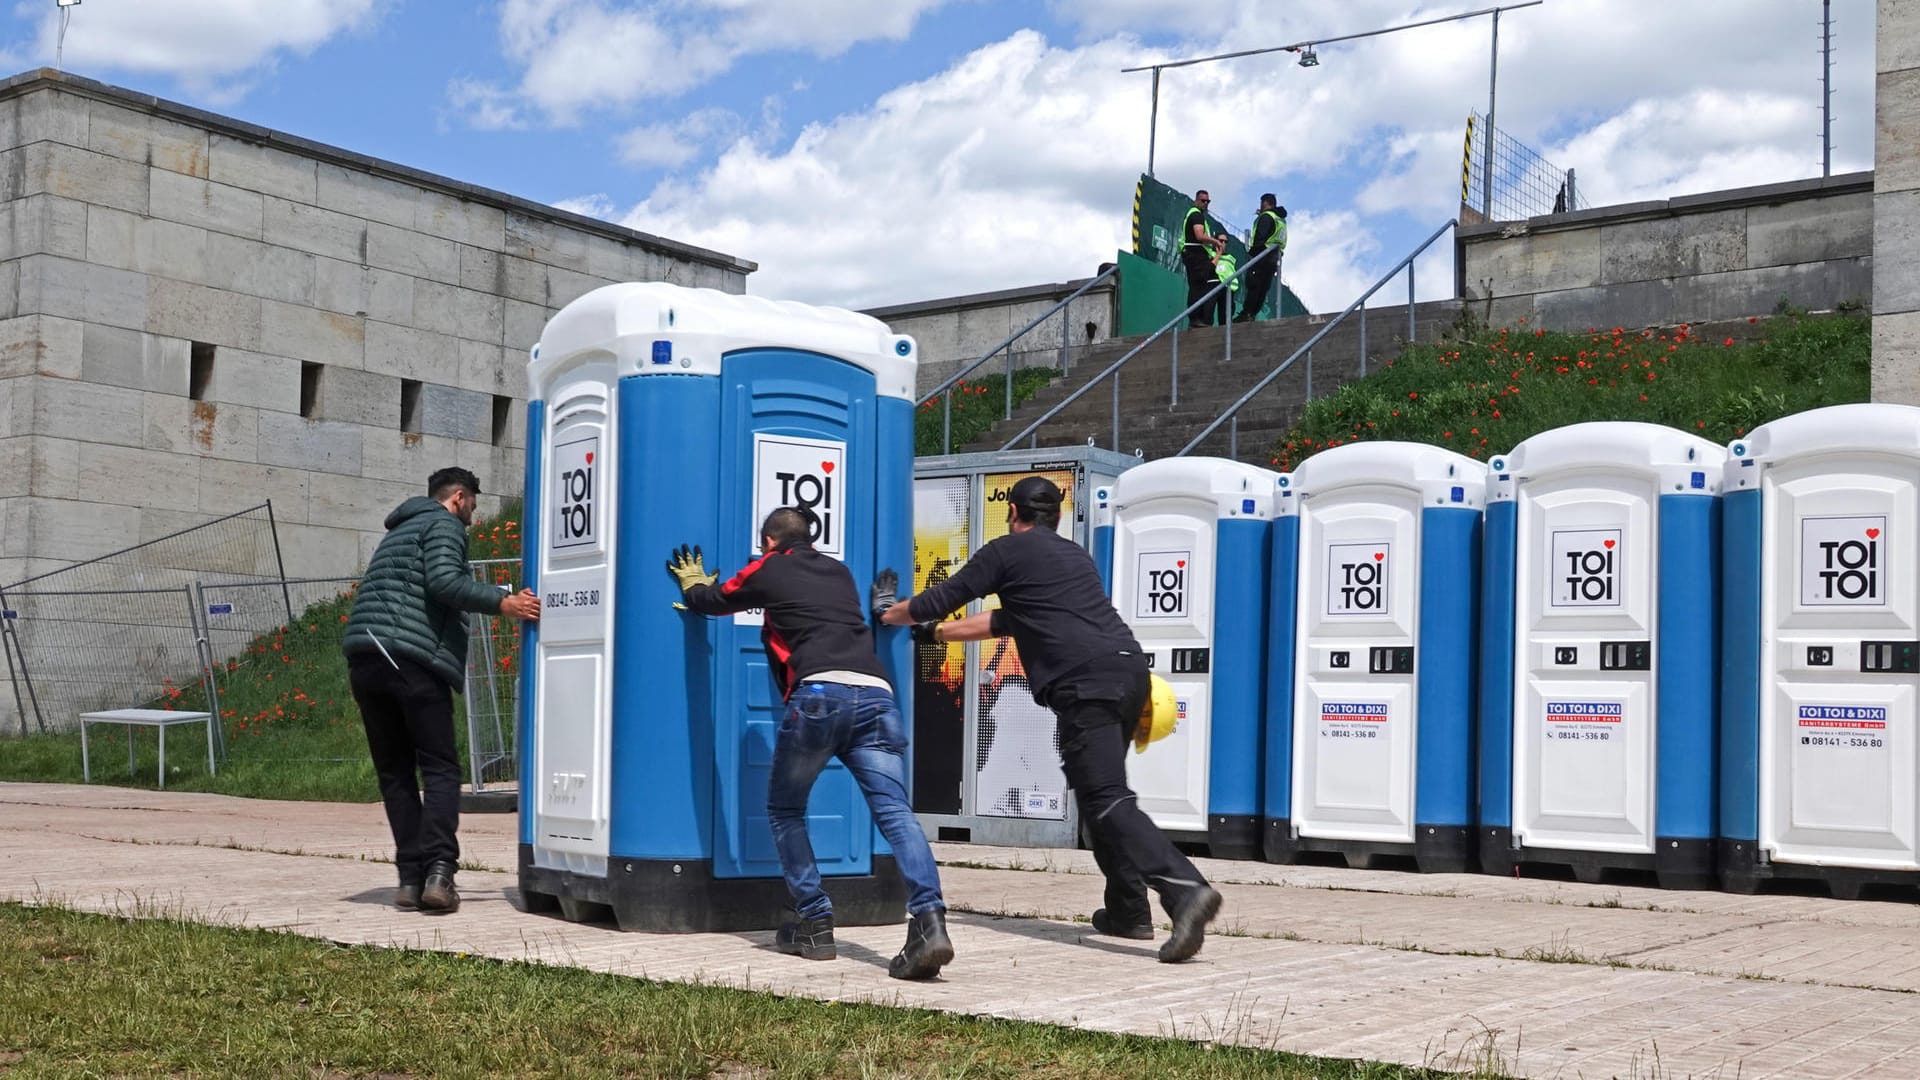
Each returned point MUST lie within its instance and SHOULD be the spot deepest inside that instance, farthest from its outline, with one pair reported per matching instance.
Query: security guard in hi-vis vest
(1087, 667)
(1198, 249)
(1269, 231)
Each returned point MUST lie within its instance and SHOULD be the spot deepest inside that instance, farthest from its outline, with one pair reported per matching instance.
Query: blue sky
(868, 152)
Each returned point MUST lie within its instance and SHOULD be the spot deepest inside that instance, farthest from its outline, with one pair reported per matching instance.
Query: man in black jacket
(406, 646)
(839, 704)
(1269, 231)
(1085, 665)
(1198, 250)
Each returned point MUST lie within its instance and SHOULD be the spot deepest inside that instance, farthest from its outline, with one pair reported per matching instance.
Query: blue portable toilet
(661, 415)
(1599, 653)
(1380, 719)
(1821, 668)
(1186, 540)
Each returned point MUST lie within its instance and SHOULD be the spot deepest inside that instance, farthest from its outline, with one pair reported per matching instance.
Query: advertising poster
(1017, 762)
(940, 529)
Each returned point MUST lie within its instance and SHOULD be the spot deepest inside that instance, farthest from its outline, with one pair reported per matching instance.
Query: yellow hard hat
(1159, 715)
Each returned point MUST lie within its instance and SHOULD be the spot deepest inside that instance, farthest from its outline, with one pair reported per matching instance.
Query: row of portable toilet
(1619, 646)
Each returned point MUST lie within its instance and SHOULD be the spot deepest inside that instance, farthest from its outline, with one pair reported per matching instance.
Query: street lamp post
(1311, 58)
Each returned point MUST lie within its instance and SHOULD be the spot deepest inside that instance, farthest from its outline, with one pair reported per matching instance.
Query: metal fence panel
(1525, 184)
(493, 683)
(71, 647)
(84, 651)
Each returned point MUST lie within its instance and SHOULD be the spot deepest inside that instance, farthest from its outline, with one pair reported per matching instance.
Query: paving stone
(280, 865)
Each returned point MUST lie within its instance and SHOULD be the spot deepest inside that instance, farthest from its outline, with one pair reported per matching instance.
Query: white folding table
(153, 718)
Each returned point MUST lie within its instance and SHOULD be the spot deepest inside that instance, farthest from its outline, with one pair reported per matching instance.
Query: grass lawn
(977, 405)
(94, 995)
(1483, 394)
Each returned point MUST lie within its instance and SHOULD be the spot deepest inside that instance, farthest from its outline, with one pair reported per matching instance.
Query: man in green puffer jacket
(406, 646)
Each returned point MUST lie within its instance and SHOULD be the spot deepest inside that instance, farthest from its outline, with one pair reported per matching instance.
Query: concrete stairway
(1210, 380)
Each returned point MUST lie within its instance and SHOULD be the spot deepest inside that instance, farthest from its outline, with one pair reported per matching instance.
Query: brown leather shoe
(438, 896)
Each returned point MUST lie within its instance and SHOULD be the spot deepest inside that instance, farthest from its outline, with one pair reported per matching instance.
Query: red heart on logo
(1379, 555)
(589, 459)
(826, 467)
(1181, 563)
(1608, 543)
(1873, 534)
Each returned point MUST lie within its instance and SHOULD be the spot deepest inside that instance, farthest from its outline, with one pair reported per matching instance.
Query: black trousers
(1200, 278)
(1097, 710)
(1259, 280)
(408, 714)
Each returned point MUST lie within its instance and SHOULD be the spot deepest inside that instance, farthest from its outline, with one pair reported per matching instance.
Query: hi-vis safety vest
(1279, 237)
(1186, 229)
(1224, 266)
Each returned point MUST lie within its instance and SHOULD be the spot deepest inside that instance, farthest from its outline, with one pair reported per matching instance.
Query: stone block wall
(1723, 255)
(1896, 203)
(198, 315)
(958, 330)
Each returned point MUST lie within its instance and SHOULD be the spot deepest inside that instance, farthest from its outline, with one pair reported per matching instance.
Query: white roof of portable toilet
(1230, 483)
(1430, 470)
(1871, 428)
(702, 325)
(1615, 445)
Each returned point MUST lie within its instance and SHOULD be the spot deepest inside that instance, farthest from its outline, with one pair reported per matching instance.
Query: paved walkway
(1542, 978)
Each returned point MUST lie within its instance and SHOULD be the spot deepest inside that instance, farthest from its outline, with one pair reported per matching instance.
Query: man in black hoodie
(1086, 666)
(838, 704)
(406, 646)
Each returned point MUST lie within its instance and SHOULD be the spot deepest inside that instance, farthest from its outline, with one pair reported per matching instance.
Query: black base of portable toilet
(1233, 836)
(1741, 871)
(681, 896)
(1674, 863)
(1436, 849)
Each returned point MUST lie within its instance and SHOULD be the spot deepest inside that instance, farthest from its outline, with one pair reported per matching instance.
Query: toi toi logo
(1357, 579)
(1586, 567)
(811, 491)
(1162, 584)
(1841, 561)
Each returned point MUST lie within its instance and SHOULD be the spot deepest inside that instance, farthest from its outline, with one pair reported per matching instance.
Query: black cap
(1036, 493)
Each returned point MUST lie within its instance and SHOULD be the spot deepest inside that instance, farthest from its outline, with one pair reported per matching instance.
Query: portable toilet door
(1189, 558)
(1600, 653)
(722, 408)
(1822, 663)
(567, 674)
(1382, 712)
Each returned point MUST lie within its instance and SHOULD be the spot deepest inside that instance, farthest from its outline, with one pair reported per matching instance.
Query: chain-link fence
(124, 630)
(140, 628)
(493, 683)
(1524, 183)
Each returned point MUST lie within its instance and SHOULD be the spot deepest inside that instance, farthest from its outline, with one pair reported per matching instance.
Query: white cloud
(485, 107)
(579, 55)
(1013, 166)
(203, 43)
(675, 144)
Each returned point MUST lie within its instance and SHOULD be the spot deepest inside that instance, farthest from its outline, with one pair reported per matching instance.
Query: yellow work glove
(689, 570)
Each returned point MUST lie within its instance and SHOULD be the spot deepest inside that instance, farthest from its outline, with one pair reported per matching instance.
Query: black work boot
(1103, 924)
(927, 947)
(809, 939)
(407, 896)
(1191, 914)
(438, 896)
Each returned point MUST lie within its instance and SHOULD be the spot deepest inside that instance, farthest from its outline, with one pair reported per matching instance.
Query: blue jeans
(861, 726)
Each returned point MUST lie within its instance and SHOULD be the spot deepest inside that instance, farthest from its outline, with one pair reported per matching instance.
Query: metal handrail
(946, 420)
(1307, 349)
(1172, 324)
